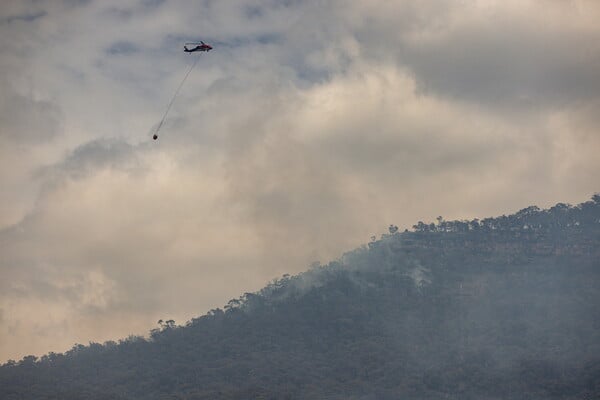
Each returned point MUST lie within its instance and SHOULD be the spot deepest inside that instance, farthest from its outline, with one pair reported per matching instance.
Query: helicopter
(199, 47)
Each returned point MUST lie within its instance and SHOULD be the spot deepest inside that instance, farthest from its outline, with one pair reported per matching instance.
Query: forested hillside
(499, 308)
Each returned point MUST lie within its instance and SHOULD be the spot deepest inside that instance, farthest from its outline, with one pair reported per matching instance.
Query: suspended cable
(160, 124)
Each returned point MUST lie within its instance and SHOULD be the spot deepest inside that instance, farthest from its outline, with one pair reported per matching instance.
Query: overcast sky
(311, 126)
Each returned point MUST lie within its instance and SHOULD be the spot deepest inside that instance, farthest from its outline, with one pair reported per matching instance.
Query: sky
(310, 127)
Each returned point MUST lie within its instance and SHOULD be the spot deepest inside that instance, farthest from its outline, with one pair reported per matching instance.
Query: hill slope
(500, 308)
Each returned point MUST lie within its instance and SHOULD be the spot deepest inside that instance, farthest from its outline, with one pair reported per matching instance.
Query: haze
(310, 127)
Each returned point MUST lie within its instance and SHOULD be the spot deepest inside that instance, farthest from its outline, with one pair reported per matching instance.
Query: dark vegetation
(502, 308)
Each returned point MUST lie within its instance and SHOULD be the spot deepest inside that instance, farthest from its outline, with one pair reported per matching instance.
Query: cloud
(24, 17)
(26, 119)
(509, 64)
(17, 11)
(309, 128)
(500, 54)
(91, 157)
(122, 48)
(152, 3)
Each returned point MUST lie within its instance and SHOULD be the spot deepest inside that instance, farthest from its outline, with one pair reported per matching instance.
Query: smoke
(309, 128)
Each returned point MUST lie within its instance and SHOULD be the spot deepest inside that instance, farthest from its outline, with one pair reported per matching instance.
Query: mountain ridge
(495, 308)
